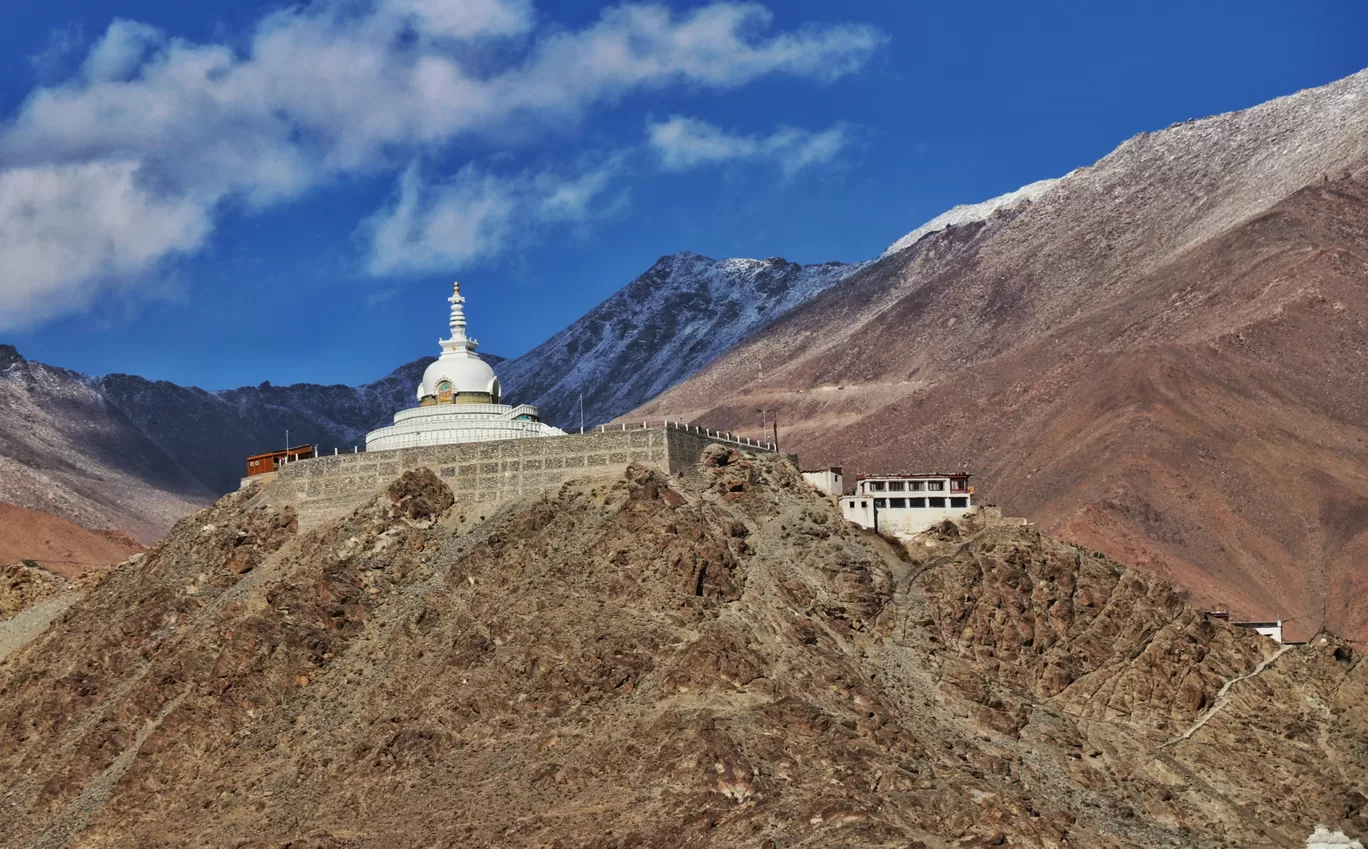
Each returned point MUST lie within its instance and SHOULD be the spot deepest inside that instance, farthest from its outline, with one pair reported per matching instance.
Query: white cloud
(682, 143)
(62, 226)
(337, 87)
(121, 51)
(475, 215)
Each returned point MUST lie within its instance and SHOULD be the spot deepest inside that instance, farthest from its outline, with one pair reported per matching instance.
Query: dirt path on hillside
(25, 626)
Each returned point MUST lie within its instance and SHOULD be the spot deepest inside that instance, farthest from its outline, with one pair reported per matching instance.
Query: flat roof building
(269, 461)
(904, 505)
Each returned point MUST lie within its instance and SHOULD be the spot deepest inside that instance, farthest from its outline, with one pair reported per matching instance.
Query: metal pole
(581, 412)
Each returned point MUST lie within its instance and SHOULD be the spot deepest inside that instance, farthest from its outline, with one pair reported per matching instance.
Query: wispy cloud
(476, 214)
(683, 143)
(128, 160)
(379, 297)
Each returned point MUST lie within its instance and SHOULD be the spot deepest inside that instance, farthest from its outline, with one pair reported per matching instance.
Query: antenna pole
(581, 412)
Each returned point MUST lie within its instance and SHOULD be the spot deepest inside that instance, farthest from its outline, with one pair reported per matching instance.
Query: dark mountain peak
(671, 261)
(9, 355)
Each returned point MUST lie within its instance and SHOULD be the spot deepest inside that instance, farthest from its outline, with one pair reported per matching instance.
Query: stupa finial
(458, 341)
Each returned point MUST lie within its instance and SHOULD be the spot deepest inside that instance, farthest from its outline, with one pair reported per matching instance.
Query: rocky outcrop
(23, 585)
(709, 659)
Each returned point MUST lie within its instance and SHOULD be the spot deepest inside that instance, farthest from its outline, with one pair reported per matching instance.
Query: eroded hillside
(651, 661)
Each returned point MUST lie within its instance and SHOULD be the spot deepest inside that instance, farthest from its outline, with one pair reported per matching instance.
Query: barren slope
(1161, 356)
(65, 450)
(656, 662)
(59, 545)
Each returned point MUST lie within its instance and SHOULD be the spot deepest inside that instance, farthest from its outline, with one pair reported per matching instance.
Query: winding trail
(85, 807)
(1222, 698)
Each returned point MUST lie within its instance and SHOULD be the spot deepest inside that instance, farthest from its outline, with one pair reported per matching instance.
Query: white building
(907, 504)
(1272, 630)
(829, 480)
(458, 400)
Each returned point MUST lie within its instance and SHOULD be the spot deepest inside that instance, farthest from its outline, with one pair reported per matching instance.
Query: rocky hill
(643, 661)
(1159, 355)
(657, 330)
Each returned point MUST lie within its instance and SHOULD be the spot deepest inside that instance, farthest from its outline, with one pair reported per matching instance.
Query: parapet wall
(329, 487)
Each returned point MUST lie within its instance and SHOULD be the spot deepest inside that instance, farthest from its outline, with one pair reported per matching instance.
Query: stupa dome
(458, 376)
(459, 400)
(451, 377)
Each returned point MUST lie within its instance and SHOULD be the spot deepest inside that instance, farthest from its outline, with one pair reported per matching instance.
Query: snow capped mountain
(680, 315)
(970, 212)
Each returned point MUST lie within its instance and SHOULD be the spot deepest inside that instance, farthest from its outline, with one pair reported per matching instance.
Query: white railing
(666, 424)
(661, 424)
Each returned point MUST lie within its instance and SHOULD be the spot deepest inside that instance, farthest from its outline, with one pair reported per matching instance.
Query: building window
(917, 486)
(897, 503)
(916, 502)
(935, 486)
(936, 502)
(959, 485)
(880, 503)
(959, 502)
(876, 486)
(895, 486)
(864, 505)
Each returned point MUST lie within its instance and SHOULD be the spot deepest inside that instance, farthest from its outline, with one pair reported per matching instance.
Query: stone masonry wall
(329, 487)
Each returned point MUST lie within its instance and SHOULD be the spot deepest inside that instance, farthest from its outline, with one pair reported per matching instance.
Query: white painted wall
(827, 480)
(1274, 631)
(449, 424)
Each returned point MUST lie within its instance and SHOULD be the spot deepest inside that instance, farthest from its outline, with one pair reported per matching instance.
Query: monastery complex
(488, 451)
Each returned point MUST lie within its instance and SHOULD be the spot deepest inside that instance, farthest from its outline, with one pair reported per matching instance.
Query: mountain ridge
(668, 322)
(1070, 349)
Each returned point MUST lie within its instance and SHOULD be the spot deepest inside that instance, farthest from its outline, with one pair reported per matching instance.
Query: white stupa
(458, 400)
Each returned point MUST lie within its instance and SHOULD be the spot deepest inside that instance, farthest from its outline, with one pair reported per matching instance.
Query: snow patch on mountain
(684, 312)
(969, 212)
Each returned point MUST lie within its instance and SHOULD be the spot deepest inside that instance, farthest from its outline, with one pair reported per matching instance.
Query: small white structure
(1272, 630)
(458, 400)
(904, 505)
(829, 480)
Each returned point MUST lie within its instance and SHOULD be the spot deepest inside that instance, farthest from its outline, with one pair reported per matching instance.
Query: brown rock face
(22, 586)
(1160, 358)
(656, 662)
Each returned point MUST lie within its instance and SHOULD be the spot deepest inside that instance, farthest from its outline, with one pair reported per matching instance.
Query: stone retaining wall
(329, 487)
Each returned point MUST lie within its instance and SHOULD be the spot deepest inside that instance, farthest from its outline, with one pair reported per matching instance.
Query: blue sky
(264, 192)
